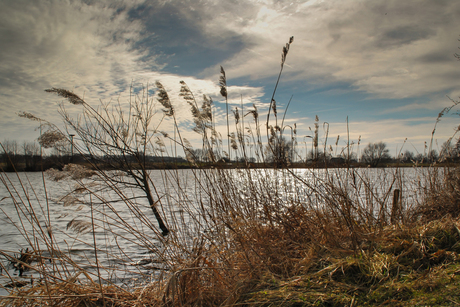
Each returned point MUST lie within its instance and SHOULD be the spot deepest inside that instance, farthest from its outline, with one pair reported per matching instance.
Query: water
(126, 232)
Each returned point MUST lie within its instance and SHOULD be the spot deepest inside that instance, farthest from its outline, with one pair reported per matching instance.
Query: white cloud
(90, 49)
(389, 49)
(410, 133)
(430, 105)
(62, 44)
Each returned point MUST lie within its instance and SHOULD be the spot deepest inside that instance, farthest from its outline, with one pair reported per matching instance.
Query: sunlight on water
(125, 229)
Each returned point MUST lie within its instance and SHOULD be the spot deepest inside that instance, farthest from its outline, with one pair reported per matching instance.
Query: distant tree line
(26, 156)
(373, 155)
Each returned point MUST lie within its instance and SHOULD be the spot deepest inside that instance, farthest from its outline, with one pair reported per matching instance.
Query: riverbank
(404, 267)
(398, 266)
(56, 164)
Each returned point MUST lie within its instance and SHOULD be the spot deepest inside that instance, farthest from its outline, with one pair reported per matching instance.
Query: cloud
(89, 47)
(430, 105)
(411, 134)
(384, 49)
(389, 49)
(62, 44)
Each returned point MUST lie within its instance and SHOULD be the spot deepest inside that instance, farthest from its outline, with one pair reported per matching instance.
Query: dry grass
(270, 267)
(400, 268)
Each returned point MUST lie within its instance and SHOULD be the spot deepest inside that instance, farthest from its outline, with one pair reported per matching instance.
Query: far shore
(49, 163)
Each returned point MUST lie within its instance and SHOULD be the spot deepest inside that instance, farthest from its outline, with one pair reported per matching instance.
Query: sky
(387, 67)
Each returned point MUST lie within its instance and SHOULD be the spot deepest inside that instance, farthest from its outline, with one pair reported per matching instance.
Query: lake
(125, 233)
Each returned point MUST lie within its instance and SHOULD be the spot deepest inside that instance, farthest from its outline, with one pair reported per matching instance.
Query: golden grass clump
(74, 294)
(395, 271)
(442, 195)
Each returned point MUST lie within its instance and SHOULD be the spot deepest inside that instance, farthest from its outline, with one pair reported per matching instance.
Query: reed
(245, 236)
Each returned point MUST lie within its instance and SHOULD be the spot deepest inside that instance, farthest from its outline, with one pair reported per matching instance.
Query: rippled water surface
(126, 235)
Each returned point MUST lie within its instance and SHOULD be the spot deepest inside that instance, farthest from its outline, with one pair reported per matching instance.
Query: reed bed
(226, 237)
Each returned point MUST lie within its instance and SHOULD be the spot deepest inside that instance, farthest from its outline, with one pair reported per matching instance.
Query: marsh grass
(264, 237)
(403, 267)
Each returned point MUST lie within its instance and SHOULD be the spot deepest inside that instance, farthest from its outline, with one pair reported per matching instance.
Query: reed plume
(71, 97)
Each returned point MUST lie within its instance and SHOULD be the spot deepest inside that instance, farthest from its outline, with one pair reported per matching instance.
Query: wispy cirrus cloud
(379, 58)
(92, 48)
(388, 49)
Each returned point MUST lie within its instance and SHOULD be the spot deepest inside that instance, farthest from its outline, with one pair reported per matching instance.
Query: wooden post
(396, 209)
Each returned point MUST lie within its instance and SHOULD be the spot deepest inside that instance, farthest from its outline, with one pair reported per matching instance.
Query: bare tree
(280, 150)
(408, 156)
(375, 153)
(119, 138)
(10, 154)
(31, 154)
(432, 156)
(449, 151)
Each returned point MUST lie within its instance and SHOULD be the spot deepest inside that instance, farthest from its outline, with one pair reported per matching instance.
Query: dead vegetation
(300, 254)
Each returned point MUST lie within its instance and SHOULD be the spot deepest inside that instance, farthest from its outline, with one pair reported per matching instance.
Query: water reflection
(125, 234)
